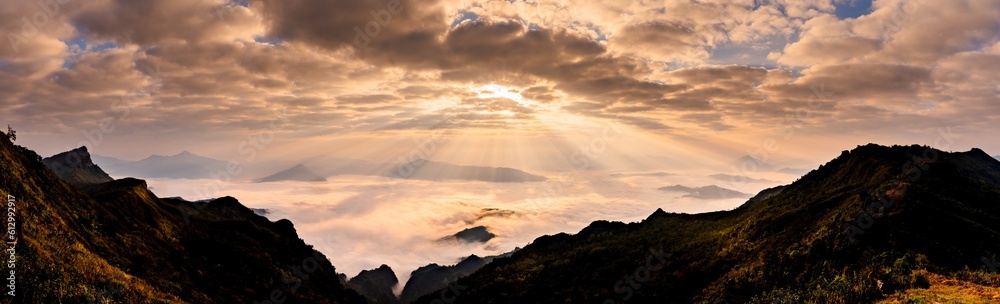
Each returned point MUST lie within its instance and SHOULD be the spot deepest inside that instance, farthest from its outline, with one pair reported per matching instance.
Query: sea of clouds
(362, 222)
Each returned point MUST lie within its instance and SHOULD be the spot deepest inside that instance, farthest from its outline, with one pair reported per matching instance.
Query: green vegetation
(116, 242)
(928, 215)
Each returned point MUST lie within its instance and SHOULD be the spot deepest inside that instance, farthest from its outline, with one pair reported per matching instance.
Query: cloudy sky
(661, 92)
(502, 81)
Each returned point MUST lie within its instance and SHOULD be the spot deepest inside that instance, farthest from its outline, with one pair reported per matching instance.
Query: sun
(499, 91)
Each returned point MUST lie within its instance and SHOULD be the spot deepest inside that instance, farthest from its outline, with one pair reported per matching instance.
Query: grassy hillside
(873, 223)
(116, 242)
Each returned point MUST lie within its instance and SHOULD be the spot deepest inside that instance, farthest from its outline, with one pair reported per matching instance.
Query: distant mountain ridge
(430, 170)
(706, 192)
(297, 173)
(192, 166)
(181, 165)
(752, 164)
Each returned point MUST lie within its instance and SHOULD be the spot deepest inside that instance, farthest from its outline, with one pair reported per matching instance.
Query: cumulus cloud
(356, 68)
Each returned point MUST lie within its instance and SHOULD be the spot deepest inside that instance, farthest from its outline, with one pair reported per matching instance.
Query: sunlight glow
(499, 91)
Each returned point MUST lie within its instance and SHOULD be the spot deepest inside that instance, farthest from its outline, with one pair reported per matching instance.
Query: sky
(657, 92)
(130, 78)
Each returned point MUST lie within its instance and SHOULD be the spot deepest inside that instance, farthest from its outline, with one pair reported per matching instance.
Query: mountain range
(85, 239)
(181, 165)
(706, 192)
(752, 164)
(888, 224)
(192, 166)
(875, 224)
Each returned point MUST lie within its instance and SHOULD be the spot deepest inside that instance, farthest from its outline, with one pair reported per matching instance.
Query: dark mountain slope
(431, 277)
(376, 285)
(76, 167)
(117, 242)
(802, 244)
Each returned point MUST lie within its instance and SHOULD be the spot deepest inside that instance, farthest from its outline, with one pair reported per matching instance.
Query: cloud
(351, 68)
(873, 82)
(663, 41)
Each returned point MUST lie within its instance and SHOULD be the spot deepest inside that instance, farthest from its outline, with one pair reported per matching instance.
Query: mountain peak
(853, 218)
(747, 162)
(93, 238)
(376, 284)
(185, 153)
(657, 214)
(296, 173)
(76, 167)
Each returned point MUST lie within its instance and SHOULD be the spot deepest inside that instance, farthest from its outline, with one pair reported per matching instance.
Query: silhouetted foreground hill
(116, 242)
(873, 221)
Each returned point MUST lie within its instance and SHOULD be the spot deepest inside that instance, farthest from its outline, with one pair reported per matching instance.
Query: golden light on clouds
(720, 71)
(608, 99)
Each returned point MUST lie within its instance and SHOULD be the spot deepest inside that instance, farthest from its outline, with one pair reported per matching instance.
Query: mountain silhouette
(739, 179)
(297, 173)
(750, 164)
(706, 192)
(107, 161)
(433, 277)
(181, 165)
(76, 167)
(116, 242)
(872, 222)
(376, 285)
(478, 234)
(431, 170)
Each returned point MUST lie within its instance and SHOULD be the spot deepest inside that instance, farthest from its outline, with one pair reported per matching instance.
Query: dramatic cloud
(721, 71)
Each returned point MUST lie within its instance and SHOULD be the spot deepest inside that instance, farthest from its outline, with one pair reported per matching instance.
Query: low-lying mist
(362, 222)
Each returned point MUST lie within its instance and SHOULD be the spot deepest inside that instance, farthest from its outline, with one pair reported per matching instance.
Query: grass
(945, 290)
